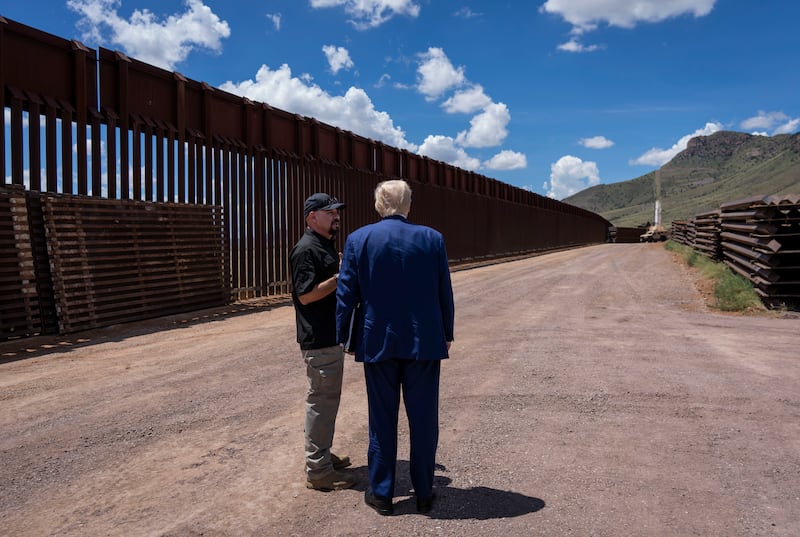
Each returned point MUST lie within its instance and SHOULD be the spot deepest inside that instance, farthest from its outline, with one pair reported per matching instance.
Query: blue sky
(549, 95)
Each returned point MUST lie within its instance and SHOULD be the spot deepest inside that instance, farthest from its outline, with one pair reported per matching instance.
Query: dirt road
(589, 392)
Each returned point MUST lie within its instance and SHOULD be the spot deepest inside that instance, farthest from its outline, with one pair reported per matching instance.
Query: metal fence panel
(117, 261)
(19, 304)
(161, 137)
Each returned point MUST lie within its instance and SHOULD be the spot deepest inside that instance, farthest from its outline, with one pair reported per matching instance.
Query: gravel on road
(590, 392)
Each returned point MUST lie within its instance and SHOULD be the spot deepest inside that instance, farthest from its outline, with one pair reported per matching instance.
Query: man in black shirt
(315, 269)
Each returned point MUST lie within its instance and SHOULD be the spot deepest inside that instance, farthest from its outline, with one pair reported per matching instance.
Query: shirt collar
(321, 237)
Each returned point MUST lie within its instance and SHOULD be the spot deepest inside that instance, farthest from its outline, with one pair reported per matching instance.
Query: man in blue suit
(395, 311)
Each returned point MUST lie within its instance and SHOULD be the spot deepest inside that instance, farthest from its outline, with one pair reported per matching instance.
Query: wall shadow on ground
(35, 346)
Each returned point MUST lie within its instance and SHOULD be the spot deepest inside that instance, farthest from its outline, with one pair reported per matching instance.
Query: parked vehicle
(654, 234)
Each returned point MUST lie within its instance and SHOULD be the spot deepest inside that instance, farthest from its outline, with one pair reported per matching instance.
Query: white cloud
(353, 111)
(338, 58)
(436, 75)
(506, 160)
(370, 13)
(385, 77)
(789, 127)
(573, 45)
(586, 15)
(466, 13)
(163, 43)
(764, 120)
(444, 148)
(777, 122)
(275, 19)
(25, 119)
(596, 142)
(487, 129)
(658, 157)
(89, 148)
(467, 101)
(571, 175)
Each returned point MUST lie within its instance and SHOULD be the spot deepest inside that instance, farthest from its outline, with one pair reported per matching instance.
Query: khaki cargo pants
(324, 369)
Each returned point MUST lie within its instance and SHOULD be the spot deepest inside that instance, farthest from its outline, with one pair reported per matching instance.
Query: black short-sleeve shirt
(313, 260)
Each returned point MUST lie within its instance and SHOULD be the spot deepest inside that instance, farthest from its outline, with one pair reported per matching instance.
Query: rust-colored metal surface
(169, 139)
(683, 231)
(119, 260)
(19, 305)
(707, 234)
(758, 238)
(761, 241)
(41, 263)
(627, 234)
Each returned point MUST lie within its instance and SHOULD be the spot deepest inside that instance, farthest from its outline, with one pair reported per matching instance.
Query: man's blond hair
(393, 197)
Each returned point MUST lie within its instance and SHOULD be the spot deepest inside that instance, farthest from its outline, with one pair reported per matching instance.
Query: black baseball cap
(321, 202)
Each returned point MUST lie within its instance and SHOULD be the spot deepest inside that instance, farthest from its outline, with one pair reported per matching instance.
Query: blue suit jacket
(395, 277)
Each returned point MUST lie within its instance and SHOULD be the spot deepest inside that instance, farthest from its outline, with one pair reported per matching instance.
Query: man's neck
(321, 233)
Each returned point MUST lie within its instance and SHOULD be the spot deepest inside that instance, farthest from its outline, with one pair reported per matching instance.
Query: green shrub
(732, 292)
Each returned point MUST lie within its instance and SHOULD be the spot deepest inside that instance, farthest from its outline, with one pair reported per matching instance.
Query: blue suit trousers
(419, 382)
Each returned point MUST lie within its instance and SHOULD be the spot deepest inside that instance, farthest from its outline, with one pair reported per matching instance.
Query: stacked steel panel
(761, 241)
(678, 231)
(19, 305)
(116, 261)
(707, 234)
(691, 233)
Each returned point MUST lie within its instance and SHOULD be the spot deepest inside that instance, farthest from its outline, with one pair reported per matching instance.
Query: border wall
(96, 124)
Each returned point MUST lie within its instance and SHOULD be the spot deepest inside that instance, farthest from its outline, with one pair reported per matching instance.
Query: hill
(712, 170)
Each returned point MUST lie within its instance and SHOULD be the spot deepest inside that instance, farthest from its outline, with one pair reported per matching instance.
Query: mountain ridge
(712, 170)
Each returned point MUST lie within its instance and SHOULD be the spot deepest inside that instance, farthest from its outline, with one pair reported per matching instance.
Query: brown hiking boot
(332, 481)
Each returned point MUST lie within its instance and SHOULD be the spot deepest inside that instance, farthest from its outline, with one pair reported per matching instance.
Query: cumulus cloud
(777, 122)
(338, 58)
(444, 148)
(370, 13)
(7, 116)
(573, 45)
(658, 157)
(764, 120)
(571, 175)
(436, 75)
(789, 127)
(383, 80)
(466, 13)
(163, 43)
(353, 111)
(275, 19)
(506, 160)
(596, 142)
(467, 101)
(487, 129)
(586, 15)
